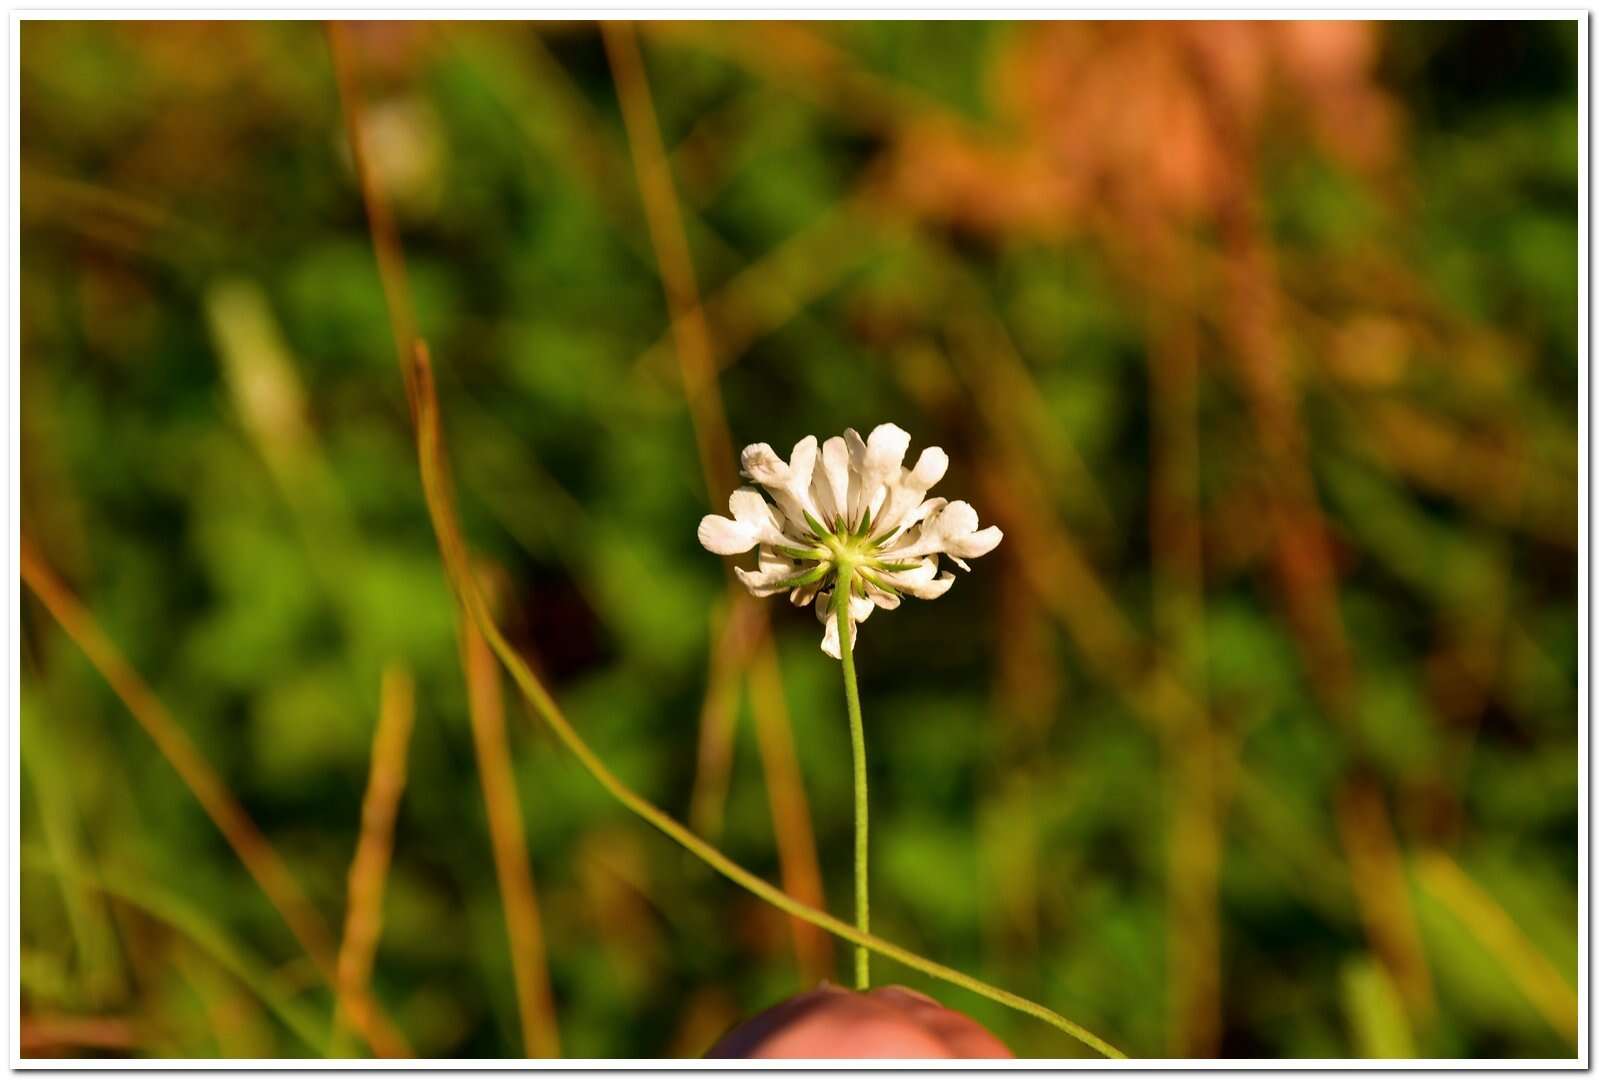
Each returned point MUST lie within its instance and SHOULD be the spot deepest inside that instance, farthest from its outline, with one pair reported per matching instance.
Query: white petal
(908, 490)
(761, 464)
(922, 580)
(856, 447)
(725, 537)
(878, 464)
(922, 512)
(876, 503)
(786, 482)
(886, 600)
(885, 449)
(805, 593)
(763, 584)
(951, 528)
(921, 572)
(830, 488)
(931, 589)
(774, 570)
(796, 500)
(801, 464)
(830, 640)
(955, 519)
(857, 467)
(749, 508)
(859, 609)
(907, 534)
(829, 621)
(755, 514)
(771, 560)
(974, 544)
(931, 465)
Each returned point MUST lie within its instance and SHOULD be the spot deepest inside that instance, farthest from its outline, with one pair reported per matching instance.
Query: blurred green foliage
(862, 200)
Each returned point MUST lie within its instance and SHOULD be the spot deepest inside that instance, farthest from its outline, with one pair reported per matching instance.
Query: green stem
(458, 567)
(857, 742)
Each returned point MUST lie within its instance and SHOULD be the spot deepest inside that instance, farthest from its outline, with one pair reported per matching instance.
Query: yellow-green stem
(857, 742)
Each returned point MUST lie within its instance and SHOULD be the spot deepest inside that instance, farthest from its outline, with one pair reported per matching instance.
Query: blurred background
(1257, 735)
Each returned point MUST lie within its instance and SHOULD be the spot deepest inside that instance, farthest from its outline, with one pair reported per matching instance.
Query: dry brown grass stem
(791, 810)
(698, 373)
(1069, 588)
(1146, 679)
(1505, 485)
(1300, 540)
(40, 1033)
(730, 654)
(535, 1003)
(1012, 405)
(1193, 831)
(772, 290)
(523, 924)
(380, 218)
(573, 136)
(803, 62)
(689, 330)
(1026, 693)
(254, 851)
(369, 869)
(202, 780)
(1382, 893)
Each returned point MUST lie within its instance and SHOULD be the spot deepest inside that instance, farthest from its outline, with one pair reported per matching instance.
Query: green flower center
(849, 549)
(849, 554)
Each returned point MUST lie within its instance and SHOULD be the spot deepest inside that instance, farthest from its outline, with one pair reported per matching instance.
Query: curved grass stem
(452, 549)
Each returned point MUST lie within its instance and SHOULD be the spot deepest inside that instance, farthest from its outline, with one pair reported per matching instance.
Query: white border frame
(894, 9)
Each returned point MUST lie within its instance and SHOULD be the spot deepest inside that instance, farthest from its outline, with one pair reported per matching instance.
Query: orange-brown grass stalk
(718, 714)
(1193, 841)
(698, 371)
(41, 1034)
(675, 262)
(380, 218)
(1300, 546)
(253, 849)
(803, 62)
(1009, 399)
(791, 811)
(1026, 695)
(772, 290)
(1067, 586)
(1382, 893)
(535, 1002)
(369, 869)
(523, 924)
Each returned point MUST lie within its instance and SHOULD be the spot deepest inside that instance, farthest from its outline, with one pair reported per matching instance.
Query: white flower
(850, 511)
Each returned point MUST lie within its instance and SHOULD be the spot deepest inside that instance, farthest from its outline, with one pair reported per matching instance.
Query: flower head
(847, 511)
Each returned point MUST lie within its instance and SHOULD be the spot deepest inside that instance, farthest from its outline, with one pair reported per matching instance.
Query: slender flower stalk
(854, 535)
(857, 743)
